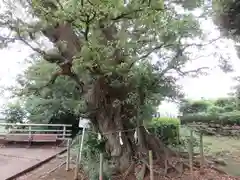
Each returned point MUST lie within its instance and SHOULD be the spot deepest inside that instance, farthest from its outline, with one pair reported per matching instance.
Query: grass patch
(222, 147)
(226, 148)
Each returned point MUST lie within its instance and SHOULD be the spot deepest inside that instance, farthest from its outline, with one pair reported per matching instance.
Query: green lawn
(226, 148)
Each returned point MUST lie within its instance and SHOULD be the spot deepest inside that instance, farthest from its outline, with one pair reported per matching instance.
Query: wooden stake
(101, 167)
(151, 164)
(68, 155)
(201, 153)
(191, 139)
(101, 161)
(190, 152)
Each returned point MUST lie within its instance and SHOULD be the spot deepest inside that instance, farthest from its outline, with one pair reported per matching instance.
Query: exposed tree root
(129, 170)
(140, 175)
(173, 167)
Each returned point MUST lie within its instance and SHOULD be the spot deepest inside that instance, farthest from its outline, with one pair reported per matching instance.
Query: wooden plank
(17, 138)
(45, 138)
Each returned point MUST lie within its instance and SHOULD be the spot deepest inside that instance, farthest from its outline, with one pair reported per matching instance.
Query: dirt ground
(43, 173)
(62, 174)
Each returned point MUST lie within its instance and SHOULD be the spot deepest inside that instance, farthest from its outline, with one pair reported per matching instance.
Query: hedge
(165, 128)
(227, 118)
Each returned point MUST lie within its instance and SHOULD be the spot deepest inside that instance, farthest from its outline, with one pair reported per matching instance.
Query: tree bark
(111, 118)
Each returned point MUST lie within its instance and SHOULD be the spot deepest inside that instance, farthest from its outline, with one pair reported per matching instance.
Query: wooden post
(64, 131)
(201, 153)
(29, 136)
(190, 152)
(101, 167)
(151, 164)
(29, 132)
(191, 139)
(178, 135)
(68, 155)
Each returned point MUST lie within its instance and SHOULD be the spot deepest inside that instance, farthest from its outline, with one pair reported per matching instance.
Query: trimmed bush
(227, 118)
(187, 106)
(165, 128)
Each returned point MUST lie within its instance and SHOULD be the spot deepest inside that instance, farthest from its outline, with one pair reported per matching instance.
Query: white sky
(216, 84)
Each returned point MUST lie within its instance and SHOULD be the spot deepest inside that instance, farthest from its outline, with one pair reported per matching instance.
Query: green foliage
(65, 117)
(184, 140)
(60, 104)
(142, 30)
(194, 106)
(210, 106)
(220, 111)
(227, 118)
(92, 148)
(14, 113)
(215, 109)
(166, 129)
(226, 16)
(223, 102)
(172, 133)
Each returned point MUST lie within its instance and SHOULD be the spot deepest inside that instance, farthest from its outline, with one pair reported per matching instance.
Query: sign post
(83, 123)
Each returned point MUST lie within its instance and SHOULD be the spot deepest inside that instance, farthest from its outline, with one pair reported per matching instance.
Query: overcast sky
(216, 84)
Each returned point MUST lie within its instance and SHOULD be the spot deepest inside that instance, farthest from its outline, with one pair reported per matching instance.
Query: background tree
(61, 104)
(106, 48)
(14, 113)
(219, 105)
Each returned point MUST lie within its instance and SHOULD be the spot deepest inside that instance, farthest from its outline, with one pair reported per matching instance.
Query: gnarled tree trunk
(111, 118)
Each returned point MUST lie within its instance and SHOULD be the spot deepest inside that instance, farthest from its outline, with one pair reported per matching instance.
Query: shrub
(227, 118)
(92, 148)
(187, 106)
(184, 140)
(165, 128)
(230, 118)
(215, 109)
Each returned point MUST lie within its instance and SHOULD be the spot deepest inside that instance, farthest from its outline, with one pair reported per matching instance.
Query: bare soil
(60, 173)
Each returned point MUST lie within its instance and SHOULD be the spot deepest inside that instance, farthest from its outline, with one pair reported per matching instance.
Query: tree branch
(195, 71)
(127, 15)
(72, 75)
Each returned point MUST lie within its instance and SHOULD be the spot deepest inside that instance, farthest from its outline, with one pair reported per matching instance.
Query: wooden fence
(61, 131)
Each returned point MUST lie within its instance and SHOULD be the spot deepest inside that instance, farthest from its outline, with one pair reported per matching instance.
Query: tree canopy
(141, 30)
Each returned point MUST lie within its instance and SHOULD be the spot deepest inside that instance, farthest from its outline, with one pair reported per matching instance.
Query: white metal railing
(61, 130)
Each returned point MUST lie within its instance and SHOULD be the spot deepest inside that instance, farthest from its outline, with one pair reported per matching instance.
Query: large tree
(106, 48)
(226, 17)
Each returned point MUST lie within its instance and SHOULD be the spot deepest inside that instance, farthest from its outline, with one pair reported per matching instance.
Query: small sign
(84, 123)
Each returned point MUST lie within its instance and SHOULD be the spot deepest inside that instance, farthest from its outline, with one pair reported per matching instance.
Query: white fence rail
(61, 131)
